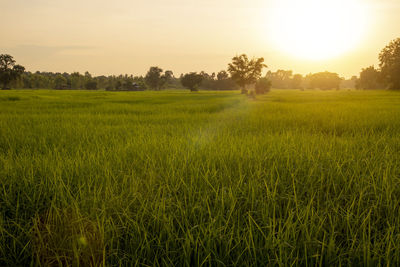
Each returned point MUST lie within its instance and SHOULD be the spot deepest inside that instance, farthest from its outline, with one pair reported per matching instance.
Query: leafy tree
(281, 79)
(263, 86)
(222, 75)
(390, 64)
(244, 71)
(168, 75)
(155, 78)
(38, 80)
(77, 80)
(297, 81)
(221, 81)
(192, 80)
(349, 83)
(9, 71)
(91, 85)
(224, 82)
(60, 82)
(26, 80)
(325, 80)
(370, 78)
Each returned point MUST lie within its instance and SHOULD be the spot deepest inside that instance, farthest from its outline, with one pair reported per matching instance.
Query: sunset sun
(315, 29)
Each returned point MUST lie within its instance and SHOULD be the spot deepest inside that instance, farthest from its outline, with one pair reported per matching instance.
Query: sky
(128, 36)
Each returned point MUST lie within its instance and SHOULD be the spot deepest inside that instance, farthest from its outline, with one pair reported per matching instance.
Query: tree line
(242, 73)
(155, 79)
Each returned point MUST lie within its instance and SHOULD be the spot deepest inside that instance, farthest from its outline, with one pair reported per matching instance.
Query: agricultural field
(208, 178)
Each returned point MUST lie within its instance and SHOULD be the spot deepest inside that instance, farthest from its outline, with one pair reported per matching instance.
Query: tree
(155, 78)
(281, 79)
(77, 80)
(349, 83)
(222, 75)
(60, 82)
(390, 64)
(168, 75)
(263, 86)
(244, 71)
(370, 78)
(91, 85)
(191, 80)
(9, 71)
(324, 80)
(296, 82)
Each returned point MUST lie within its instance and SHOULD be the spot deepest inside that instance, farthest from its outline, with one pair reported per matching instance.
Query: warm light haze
(318, 30)
(113, 37)
(200, 133)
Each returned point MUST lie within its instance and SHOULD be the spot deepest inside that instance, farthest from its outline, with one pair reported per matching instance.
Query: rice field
(199, 179)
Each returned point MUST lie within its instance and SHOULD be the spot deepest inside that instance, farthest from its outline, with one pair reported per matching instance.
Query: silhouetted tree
(244, 71)
(281, 79)
(390, 64)
(370, 78)
(297, 81)
(349, 83)
(325, 80)
(221, 81)
(155, 78)
(91, 85)
(263, 85)
(60, 82)
(222, 75)
(9, 71)
(77, 80)
(192, 80)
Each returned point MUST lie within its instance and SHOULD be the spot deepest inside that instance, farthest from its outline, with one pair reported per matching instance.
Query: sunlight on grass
(175, 178)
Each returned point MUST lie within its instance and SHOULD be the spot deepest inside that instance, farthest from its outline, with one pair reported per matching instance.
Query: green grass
(208, 178)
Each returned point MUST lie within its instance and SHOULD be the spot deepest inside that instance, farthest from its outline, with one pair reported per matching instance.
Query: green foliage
(77, 81)
(222, 75)
(281, 79)
(91, 85)
(191, 80)
(9, 71)
(370, 78)
(297, 81)
(390, 64)
(263, 85)
(60, 82)
(171, 178)
(244, 71)
(155, 79)
(324, 80)
(219, 82)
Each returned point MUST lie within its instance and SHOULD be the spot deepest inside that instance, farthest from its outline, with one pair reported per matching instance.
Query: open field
(208, 178)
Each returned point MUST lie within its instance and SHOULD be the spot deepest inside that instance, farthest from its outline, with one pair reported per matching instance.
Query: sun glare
(317, 29)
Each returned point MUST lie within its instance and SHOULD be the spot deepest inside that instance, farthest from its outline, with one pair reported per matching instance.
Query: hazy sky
(122, 36)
